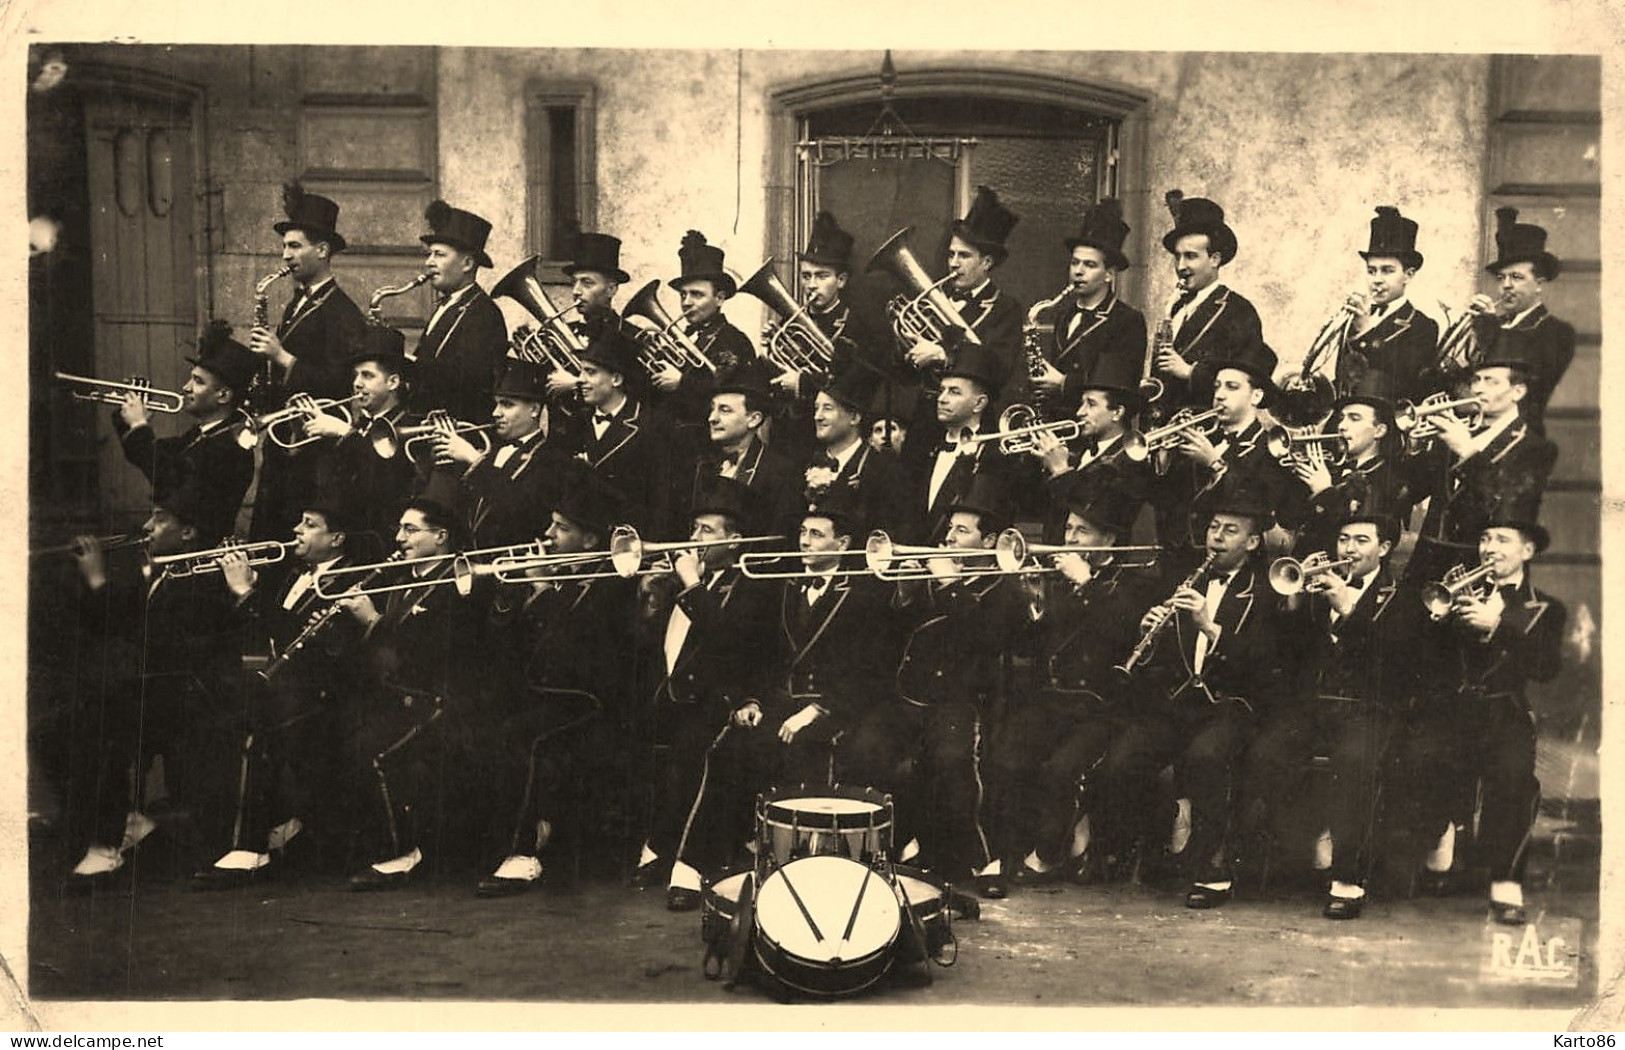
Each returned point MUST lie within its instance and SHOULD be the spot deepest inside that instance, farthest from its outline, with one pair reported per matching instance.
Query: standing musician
(1363, 421)
(975, 248)
(710, 645)
(207, 455)
(595, 277)
(174, 651)
(943, 474)
(290, 767)
(1517, 325)
(925, 746)
(507, 493)
(321, 328)
(1475, 721)
(415, 656)
(736, 450)
(1387, 331)
(1083, 616)
(1357, 634)
(461, 352)
(564, 687)
(626, 442)
(1207, 319)
(1091, 322)
(1195, 696)
(703, 286)
(1468, 474)
(847, 466)
(825, 268)
(367, 468)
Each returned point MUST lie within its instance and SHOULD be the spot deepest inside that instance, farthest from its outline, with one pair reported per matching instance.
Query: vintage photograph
(885, 526)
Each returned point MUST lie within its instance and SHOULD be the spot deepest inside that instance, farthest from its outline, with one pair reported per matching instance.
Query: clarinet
(1165, 614)
(318, 624)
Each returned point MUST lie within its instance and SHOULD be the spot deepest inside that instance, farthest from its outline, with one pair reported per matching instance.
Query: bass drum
(826, 926)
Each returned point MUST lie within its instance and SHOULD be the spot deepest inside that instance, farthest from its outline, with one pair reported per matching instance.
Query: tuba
(922, 313)
(1035, 334)
(555, 342)
(661, 341)
(375, 313)
(795, 344)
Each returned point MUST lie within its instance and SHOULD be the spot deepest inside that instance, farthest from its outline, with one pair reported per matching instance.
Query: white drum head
(829, 888)
(843, 806)
(917, 891)
(728, 888)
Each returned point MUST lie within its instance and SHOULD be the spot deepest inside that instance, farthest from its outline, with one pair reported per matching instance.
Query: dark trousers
(287, 485)
(1451, 742)
(396, 755)
(1353, 734)
(929, 759)
(290, 760)
(543, 746)
(689, 730)
(1204, 744)
(1036, 765)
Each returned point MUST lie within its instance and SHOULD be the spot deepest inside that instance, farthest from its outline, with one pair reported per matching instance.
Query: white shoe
(243, 860)
(1180, 837)
(684, 877)
(137, 826)
(519, 868)
(99, 860)
(400, 865)
(284, 833)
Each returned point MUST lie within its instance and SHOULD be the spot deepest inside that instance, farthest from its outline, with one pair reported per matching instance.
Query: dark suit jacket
(1112, 328)
(731, 625)
(426, 639)
(375, 487)
(169, 629)
(635, 458)
(927, 518)
(512, 503)
(322, 339)
(996, 317)
(873, 481)
(859, 343)
(572, 635)
(768, 475)
(729, 349)
(215, 462)
(839, 649)
(1249, 465)
(954, 638)
(1372, 654)
(1543, 341)
(1246, 662)
(270, 627)
(460, 359)
(1403, 344)
(1223, 323)
(1082, 632)
(1325, 512)
(1527, 646)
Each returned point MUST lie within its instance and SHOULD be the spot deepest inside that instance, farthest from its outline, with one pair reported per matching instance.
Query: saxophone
(262, 298)
(1165, 615)
(1034, 335)
(375, 313)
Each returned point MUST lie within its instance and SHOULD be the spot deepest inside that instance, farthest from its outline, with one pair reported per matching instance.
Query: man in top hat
(1080, 620)
(1387, 331)
(1206, 319)
(1518, 325)
(825, 268)
(944, 472)
(627, 442)
(307, 353)
(1354, 633)
(367, 468)
(208, 454)
(595, 277)
(167, 688)
(562, 703)
(460, 354)
(506, 493)
(709, 646)
(846, 464)
(1466, 475)
(739, 409)
(703, 286)
(1473, 719)
(1091, 322)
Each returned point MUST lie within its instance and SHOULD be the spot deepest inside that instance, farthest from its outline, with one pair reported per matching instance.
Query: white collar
(311, 289)
(973, 293)
(843, 458)
(1395, 305)
(1482, 439)
(1517, 320)
(1202, 296)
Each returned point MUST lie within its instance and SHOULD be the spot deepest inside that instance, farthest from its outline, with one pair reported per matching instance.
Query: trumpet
(555, 342)
(1458, 349)
(375, 311)
(796, 343)
(1289, 575)
(1019, 428)
(661, 342)
(1013, 551)
(1441, 597)
(758, 565)
(1412, 419)
(284, 423)
(111, 392)
(628, 551)
(1163, 615)
(122, 541)
(926, 315)
(1284, 444)
(389, 443)
(199, 563)
(1138, 446)
(942, 563)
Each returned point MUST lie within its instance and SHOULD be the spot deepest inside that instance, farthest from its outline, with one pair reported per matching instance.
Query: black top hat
(1119, 373)
(985, 497)
(317, 216)
(1103, 505)
(341, 514)
(1521, 242)
(987, 224)
(186, 499)
(231, 362)
(702, 262)
(1199, 215)
(749, 379)
(1508, 350)
(463, 230)
(613, 351)
(1105, 230)
(828, 244)
(841, 507)
(1375, 388)
(722, 495)
(1393, 236)
(525, 380)
(1255, 358)
(385, 345)
(890, 401)
(1244, 499)
(1521, 512)
(590, 502)
(600, 253)
(974, 361)
(850, 389)
(1371, 503)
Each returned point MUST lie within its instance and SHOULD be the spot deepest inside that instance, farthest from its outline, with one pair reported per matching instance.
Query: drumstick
(805, 914)
(852, 920)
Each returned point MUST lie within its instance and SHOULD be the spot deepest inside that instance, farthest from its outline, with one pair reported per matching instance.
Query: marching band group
(892, 552)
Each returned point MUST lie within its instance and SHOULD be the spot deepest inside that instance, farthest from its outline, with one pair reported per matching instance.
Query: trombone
(940, 563)
(1412, 419)
(463, 566)
(122, 541)
(1289, 576)
(1284, 444)
(389, 443)
(282, 425)
(1440, 597)
(757, 564)
(199, 563)
(796, 343)
(628, 551)
(661, 342)
(112, 392)
(1138, 446)
(521, 566)
(1019, 428)
(1013, 551)
(922, 313)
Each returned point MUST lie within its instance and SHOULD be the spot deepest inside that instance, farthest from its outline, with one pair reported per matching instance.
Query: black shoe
(679, 898)
(1202, 897)
(493, 886)
(113, 881)
(213, 878)
(1435, 883)
(963, 905)
(370, 879)
(648, 875)
(1025, 876)
(1508, 914)
(992, 887)
(1343, 907)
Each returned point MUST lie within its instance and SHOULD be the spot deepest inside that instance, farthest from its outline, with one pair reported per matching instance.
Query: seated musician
(703, 286)
(1084, 616)
(1355, 634)
(172, 652)
(290, 767)
(562, 701)
(1363, 422)
(414, 668)
(1195, 694)
(1474, 721)
(924, 745)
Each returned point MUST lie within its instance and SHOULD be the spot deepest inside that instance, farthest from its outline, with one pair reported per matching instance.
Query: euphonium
(1034, 334)
(1458, 346)
(661, 341)
(375, 313)
(922, 313)
(1164, 614)
(1307, 396)
(555, 341)
(796, 343)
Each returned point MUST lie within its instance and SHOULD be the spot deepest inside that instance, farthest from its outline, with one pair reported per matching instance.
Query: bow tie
(953, 444)
(730, 458)
(1184, 300)
(1379, 309)
(828, 462)
(1091, 447)
(816, 583)
(442, 298)
(602, 417)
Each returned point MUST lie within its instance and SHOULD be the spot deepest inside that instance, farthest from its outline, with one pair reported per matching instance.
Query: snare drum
(924, 896)
(826, 926)
(855, 823)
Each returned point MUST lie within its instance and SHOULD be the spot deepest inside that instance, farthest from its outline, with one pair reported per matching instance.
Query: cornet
(661, 341)
(199, 563)
(393, 439)
(1019, 428)
(941, 563)
(922, 313)
(1289, 575)
(1411, 419)
(627, 551)
(1441, 597)
(1286, 445)
(109, 392)
(123, 541)
(283, 424)
(796, 343)
(1013, 553)
(1138, 446)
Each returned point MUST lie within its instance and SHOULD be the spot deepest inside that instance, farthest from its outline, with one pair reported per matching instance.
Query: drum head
(836, 893)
